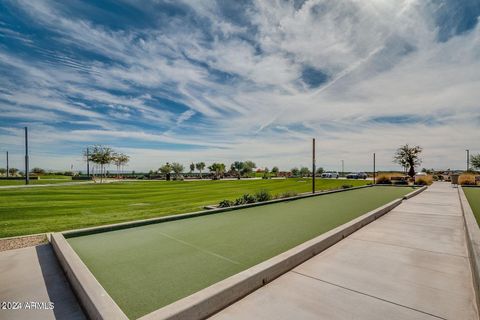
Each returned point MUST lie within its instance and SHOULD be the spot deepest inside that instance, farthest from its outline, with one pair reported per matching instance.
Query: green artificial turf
(57, 208)
(145, 268)
(473, 196)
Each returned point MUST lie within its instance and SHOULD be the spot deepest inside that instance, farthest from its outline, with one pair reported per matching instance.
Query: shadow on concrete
(58, 287)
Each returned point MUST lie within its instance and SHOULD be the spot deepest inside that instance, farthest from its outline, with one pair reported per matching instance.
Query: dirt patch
(22, 242)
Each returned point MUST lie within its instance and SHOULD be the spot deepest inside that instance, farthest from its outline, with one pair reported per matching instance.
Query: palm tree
(408, 157)
(218, 169)
(200, 166)
(192, 167)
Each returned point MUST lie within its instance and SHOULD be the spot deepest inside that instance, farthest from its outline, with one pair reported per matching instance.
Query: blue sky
(235, 80)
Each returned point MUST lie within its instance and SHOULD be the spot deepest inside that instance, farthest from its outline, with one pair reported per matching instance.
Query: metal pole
(468, 159)
(7, 164)
(313, 165)
(27, 178)
(88, 164)
(374, 168)
(343, 168)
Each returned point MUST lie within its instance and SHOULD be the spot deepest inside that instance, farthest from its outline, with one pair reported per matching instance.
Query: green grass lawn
(44, 209)
(473, 196)
(145, 268)
(40, 181)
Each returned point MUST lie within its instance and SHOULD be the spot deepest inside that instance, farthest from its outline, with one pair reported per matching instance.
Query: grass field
(473, 196)
(145, 268)
(44, 209)
(40, 181)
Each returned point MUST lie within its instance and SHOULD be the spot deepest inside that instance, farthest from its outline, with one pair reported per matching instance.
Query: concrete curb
(96, 302)
(414, 193)
(473, 241)
(138, 223)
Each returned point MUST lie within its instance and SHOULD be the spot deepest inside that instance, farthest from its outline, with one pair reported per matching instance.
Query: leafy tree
(237, 167)
(200, 166)
(121, 160)
(475, 161)
(320, 171)
(166, 169)
(304, 171)
(248, 167)
(218, 169)
(192, 167)
(295, 172)
(3, 171)
(13, 171)
(177, 168)
(38, 171)
(101, 156)
(275, 171)
(408, 157)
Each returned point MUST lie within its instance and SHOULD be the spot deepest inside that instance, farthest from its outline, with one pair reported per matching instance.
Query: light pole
(343, 168)
(468, 159)
(7, 164)
(313, 165)
(88, 164)
(27, 178)
(374, 168)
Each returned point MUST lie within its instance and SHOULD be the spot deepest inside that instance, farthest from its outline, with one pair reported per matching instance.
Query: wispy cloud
(219, 80)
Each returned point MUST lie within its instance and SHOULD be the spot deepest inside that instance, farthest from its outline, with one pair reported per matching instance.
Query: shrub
(466, 180)
(246, 198)
(424, 181)
(400, 182)
(225, 204)
(347, 186)
(384, 180)
(263, 195)
(435, 178)
(421, 181)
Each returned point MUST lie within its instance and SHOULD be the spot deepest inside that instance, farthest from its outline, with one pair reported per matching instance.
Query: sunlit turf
(57, 208)
(473, 196)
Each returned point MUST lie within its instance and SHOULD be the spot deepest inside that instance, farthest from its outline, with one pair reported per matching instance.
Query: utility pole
(374, 168)
(88, 164)
(7, 164)
(468, 159)
(313, 165)
(27, 178)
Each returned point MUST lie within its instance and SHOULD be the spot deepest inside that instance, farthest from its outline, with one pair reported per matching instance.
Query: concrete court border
(473, 241)
(98, 304)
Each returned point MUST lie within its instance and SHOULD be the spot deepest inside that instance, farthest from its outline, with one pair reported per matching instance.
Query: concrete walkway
(34, 275)
(410, 264)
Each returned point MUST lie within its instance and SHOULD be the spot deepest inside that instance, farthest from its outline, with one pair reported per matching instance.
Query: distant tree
(38, 170)
(320, 171)
(304, 171)
(120, 160)
(275, 171)
(265, 173)
(102, 156)
(475, 161)
(408, 157)
(295, 172)
(166, 169)
(237, 167)
(192, 167)
(248, 167)
(218, 169)
(13, 171)
(200, 167)
(177, 168)
(3, 171)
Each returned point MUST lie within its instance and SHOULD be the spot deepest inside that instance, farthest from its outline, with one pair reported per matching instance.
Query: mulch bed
(22, 242)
